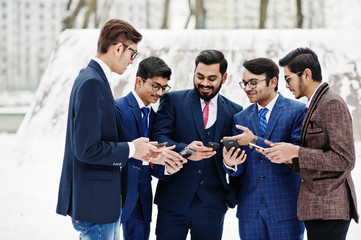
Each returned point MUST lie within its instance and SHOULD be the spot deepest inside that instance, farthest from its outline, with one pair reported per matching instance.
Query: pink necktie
(206, 113)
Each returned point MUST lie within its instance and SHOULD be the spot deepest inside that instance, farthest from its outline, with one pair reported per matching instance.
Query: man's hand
(202, 152)
(145, 150)
(244, 138)
(230, 158)
(280, 152)
(172, 160)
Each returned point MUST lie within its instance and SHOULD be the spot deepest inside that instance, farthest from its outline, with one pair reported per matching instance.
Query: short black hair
(263, 65)
(300, 59)
(211, 56)
(153, 67)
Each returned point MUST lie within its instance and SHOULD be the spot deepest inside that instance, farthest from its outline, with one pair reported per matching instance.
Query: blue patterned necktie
(145, 111)
(262, 119)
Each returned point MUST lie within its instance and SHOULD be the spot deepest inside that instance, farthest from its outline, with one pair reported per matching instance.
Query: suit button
(201, 182)
(263, 177)
(140, 181)
(200, 172)
(262, 159)
(302, 180)
(208, 134)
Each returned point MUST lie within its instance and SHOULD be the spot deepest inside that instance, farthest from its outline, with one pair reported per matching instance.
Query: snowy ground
(29, 178)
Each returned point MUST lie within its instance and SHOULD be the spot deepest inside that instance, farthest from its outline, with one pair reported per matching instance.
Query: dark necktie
(145, 111)
(206, 113)
(262, 119)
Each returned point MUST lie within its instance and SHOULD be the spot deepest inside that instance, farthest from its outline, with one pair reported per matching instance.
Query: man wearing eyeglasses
(327, 199)
(266, 192)
(195, 198)
(137, 115)
(96, 146)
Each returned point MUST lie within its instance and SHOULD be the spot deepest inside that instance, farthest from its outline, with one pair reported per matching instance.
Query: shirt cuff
(230, 168)
(131, 149)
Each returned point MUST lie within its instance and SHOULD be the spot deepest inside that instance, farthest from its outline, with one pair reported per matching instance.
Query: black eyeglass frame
(156, 86)
(135, 52)
(251, 83)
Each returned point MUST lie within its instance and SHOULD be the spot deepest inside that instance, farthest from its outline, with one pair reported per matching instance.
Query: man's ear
(224, 78)
(273, 82)
(118, 48)
(308, 74)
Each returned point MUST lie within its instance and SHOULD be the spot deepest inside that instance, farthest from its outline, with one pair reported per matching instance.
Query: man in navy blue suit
(196, 197)
(266, 192)
(96, 146)
(133, 110)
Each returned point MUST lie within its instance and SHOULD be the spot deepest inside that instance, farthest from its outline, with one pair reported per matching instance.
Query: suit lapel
(309, 111)
(197, 114)
(120, 128)
(275, 115)
(254, 117)
(133, 104)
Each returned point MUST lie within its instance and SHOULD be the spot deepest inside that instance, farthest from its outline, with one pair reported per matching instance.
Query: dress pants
(204, 222)
(265, 227)
(327, 229)
(135, 228)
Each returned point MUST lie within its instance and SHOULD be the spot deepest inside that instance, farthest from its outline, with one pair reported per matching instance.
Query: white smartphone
(256, 146)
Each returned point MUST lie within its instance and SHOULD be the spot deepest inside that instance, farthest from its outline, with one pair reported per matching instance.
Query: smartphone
(229, 143)
(187, 152)
(161, 144)
(213, 145)
(256, 146)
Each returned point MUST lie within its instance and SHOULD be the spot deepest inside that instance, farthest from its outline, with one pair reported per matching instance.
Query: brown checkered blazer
(326, 159)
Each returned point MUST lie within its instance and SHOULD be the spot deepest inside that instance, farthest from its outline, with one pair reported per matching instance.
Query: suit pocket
(98, 174)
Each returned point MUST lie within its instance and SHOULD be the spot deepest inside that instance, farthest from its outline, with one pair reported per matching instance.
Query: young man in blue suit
(150, 84)
(266, 192)
(196, 197)
(96, 146)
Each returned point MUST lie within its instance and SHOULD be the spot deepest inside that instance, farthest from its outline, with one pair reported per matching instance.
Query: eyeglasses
(287, 79)
(252, 83)
(135, 52)
(156, 86)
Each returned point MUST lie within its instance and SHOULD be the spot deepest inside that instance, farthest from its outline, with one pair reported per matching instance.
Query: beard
(206, 97)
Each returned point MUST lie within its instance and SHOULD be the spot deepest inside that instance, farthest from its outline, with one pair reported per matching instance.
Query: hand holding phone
(161, 144)
(213, 145)
(256, 146)
(187, 152)
(229, 143)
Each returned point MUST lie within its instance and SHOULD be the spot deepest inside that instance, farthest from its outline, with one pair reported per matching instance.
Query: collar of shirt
(105, 68)
(269, 106)
(309, 101)
(140, 102)
(212, 117)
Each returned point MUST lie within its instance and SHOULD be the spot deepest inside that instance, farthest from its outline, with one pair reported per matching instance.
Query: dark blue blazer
(179, 121)
(258, 176)
(95, 148)
(136, 181)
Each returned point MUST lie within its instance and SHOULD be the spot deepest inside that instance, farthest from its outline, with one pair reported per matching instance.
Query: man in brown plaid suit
(327, 199)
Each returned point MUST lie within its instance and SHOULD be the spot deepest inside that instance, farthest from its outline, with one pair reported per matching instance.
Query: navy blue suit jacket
(258, 176)
(95, 148)
(179, 121)
(136, 182)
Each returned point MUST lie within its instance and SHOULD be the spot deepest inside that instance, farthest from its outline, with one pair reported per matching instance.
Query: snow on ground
(29, 178)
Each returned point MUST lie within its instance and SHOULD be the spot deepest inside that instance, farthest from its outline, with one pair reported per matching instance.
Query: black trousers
(327, 229)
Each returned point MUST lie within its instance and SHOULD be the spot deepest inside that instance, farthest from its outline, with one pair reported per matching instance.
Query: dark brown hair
(117, 30)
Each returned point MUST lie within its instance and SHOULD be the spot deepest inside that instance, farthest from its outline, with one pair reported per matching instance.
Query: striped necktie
(206, 113)
(262, 119)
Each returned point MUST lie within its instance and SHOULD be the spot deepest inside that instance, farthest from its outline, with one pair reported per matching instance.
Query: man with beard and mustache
(196, 197)
(327, 199)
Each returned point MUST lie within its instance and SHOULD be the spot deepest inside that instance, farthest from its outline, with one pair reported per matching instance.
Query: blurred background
(29, 30)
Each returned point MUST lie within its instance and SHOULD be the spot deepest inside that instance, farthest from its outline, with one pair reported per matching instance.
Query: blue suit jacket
(136, 182)
(94, 150)
(259, 177)
(179, 121)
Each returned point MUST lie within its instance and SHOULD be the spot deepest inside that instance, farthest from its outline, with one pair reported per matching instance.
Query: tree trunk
(165, 14)
(68, 22)
(299, 14)
(200, 13)
(263, 13)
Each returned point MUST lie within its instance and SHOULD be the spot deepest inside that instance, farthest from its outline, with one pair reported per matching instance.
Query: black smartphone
(161, 144)
(187, 152)
(229, 143)
(213, 145)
